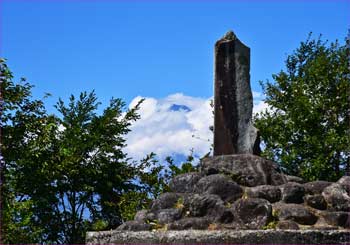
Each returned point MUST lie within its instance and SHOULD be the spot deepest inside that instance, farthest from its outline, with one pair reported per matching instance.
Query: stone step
(221, 237)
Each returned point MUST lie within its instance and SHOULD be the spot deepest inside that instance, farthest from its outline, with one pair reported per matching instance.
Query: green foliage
(64, 175)
(153, 178)
(179, 203)
(17, 218)
(151, 175)
(271, 225)
(99, 225)
(67, 174)
(151, 184)
(185, 167)
(307, 128)
(22, 118)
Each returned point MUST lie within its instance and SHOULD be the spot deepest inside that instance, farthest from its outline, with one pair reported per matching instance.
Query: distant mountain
(175, 107)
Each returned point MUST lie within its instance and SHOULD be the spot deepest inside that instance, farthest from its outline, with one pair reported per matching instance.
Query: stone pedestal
(220, 237)
(239, 199)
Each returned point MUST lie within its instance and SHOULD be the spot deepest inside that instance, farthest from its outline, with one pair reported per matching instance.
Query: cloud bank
(174, 125)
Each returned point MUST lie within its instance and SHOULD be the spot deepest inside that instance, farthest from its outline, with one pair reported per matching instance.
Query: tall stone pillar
(233, 100)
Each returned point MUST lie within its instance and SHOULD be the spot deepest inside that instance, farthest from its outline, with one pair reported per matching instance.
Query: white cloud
(174, 125)
(259, 106)
(257, 95)
(167, 126)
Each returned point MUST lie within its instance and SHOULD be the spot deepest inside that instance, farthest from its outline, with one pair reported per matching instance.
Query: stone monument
(233, 100)
(238, 197)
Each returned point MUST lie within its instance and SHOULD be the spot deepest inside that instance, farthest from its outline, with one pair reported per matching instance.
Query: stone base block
(221, 237)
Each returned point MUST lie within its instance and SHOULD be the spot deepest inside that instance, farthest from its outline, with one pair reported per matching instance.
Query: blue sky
(162, 50)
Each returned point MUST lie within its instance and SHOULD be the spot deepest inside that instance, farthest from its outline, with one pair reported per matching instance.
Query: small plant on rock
(228, 205)
(213, 227)
(180, 203)
(271, 225)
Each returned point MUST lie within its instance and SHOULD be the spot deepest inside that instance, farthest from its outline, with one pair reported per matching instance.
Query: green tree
(64, 175)
(152, 181)
(83, 169)
(68, 174)
(306, 130)
(21, 118)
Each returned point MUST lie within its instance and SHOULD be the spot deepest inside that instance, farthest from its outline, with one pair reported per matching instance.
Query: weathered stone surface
(150, 216)
(293, 192)
(324, 228)
(337, 218)
(244, 169)
(234, 132)
(166, 216)
(294, 212)
(337, 197)
(344, 182)
(287, 225)
(134, 226)
(184, 182)
(224, 216)
(141, 216)
(165, 200)
(196, 223)
(268, 192)
(221, 237)
(316, 201)
(229, 226)
(252, 213)
(205, 204)
(316, 187)
(291, 178)
(220, 185)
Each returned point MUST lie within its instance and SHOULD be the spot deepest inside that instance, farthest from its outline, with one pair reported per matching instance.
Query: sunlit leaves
(306, 129)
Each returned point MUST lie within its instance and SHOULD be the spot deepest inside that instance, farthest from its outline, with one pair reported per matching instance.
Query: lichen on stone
(180, 203)
(271, 225)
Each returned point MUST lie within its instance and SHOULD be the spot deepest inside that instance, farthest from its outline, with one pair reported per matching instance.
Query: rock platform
(219, 237)
(240, 199)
